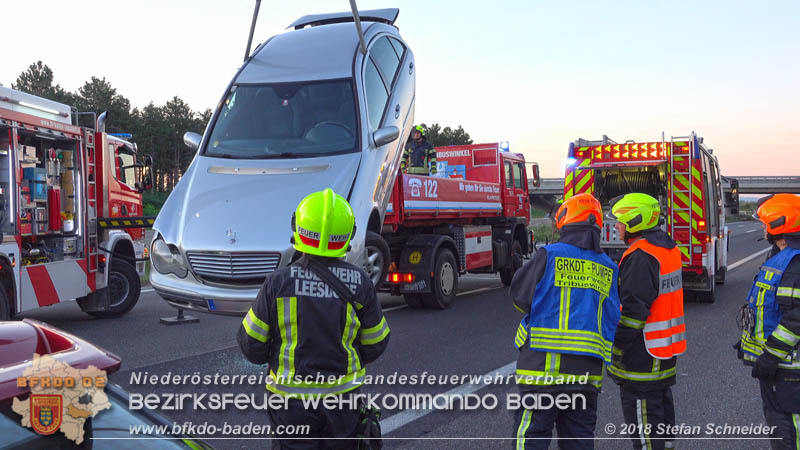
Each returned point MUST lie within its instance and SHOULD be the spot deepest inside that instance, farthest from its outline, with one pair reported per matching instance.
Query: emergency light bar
(644, 151)
(121, 135)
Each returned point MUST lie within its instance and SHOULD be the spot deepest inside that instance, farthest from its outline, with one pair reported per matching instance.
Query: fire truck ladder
(684, 161)
(91, 200)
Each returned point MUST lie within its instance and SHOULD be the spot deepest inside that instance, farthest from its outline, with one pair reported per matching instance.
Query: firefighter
(770, 320)
(651, 331)
(419, 157)
(568, 292)
(315, 342)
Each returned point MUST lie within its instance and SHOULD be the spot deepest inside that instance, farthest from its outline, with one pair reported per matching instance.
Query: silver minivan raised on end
(309, 109)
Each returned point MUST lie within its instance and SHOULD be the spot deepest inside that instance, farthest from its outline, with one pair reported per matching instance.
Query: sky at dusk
(537, 74)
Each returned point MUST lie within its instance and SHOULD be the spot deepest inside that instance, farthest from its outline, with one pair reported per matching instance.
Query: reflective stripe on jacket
(664, 330)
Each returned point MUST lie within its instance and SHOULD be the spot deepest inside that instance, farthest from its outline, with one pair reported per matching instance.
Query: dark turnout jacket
(300, 327)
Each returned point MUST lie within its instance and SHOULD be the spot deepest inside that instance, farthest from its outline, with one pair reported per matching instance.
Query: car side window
(376, 94)
(385, 57)
(399, 47)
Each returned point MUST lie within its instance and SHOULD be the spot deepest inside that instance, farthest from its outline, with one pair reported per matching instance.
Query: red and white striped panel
(48, 284)
(478, 246)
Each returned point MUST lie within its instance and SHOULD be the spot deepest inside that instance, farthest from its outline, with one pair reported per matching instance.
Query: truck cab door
(521, 190)
(509, 198)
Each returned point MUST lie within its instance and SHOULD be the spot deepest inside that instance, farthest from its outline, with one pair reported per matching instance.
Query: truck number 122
(431, 189)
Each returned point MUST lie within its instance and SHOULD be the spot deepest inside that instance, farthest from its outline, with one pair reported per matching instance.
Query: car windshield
(286, 120)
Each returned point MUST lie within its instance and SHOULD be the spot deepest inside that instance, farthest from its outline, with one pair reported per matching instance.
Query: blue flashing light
(504, 146)
(569, 162)
(121, 135)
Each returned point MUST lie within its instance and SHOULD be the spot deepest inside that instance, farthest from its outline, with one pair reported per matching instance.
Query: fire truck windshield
(286, 120)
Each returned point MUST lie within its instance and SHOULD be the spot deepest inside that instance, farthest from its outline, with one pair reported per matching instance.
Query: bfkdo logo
(62, 398)
(46, 413)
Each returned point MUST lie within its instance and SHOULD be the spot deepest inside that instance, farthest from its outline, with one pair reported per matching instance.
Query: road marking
(395, 308)
(148, 290)
(405, 417)
(490, 288)
(748, 231)
(749, 258)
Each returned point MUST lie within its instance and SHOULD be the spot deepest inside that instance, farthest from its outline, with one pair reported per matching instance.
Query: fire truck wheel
(124, 288)
(719, 277)
(507, 274)
(413, 300)
(5, 307)
(377, 263)
(445, 281)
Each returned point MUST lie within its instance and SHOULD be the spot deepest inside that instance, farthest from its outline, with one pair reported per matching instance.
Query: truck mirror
(192, 140)
(537, 181)
(385, 135)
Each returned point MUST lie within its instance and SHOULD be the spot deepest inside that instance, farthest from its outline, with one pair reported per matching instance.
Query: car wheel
(377, 262)
(507, 273)
(445, 281)
(124, 288)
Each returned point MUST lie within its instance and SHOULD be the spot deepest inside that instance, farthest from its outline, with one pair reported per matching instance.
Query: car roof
(312, 53)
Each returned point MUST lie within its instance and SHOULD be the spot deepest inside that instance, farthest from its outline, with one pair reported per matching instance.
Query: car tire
(507, 273)
(124, 288)
(377, 263)
(413, 300)
(444, 283)
(5, 305)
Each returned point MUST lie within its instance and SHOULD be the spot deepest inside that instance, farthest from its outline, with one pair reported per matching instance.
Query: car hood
(246, 205)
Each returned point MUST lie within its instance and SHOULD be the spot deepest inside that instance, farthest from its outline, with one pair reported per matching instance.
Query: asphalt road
(473, 337)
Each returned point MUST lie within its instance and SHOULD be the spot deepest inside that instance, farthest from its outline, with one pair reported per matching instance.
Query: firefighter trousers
(575, 427)
(649, 418)
(324, 424)
(782, 410)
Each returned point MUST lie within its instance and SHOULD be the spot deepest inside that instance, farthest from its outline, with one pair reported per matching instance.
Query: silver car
(307, 110)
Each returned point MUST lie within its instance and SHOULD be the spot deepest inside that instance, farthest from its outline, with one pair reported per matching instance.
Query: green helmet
(637, 211)
(323, 224)
(420, 129)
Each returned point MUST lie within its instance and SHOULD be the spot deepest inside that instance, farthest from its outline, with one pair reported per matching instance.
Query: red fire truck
(471, 218)
(71, 210)
(684, 175)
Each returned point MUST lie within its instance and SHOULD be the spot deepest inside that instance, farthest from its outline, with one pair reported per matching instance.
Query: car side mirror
(385, 135)
(192, 140)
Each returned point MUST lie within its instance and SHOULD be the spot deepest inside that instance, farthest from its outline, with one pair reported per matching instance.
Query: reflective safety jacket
(651, 331)
(573, 314)
(314, 342)
(419, 158)
(772, 318)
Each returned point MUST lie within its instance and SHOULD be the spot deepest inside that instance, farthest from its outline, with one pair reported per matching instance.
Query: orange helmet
(581, 209)
(780, 213)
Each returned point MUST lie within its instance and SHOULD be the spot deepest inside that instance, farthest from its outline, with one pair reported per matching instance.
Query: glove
(766, 366)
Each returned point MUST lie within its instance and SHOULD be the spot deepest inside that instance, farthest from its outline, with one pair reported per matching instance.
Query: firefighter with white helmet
(307, 331)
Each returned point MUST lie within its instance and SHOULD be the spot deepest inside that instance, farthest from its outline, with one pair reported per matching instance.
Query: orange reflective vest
(665, 330)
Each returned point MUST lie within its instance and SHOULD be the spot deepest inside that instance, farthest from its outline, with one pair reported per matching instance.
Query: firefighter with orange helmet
(651, 331)
(770, 320)
(568, 292)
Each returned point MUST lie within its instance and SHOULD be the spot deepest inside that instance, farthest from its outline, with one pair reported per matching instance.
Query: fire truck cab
(684, 175)
(67, 196)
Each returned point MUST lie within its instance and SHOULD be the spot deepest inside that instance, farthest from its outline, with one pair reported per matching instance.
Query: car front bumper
(189, 293)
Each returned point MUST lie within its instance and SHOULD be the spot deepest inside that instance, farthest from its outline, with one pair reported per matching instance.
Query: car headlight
(167, 259)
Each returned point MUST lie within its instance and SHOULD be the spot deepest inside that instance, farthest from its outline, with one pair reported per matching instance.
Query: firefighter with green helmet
(651, 332)
(315, 340)
(419, 157)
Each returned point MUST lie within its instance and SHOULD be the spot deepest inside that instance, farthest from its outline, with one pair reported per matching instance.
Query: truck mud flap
(418, 257)
(96, 301)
